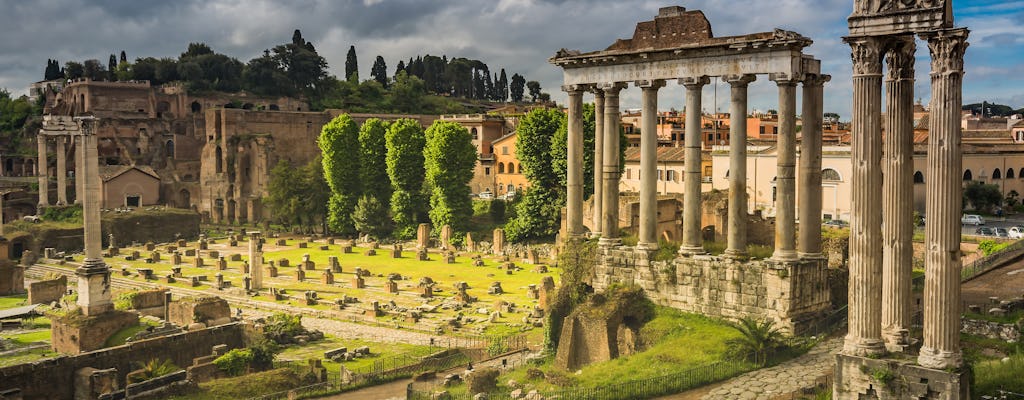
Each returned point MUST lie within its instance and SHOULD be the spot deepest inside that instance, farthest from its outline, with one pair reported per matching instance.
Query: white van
(972, 219)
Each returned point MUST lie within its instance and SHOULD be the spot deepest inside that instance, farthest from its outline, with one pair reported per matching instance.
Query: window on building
(996, 174)
(671, 175)
(775, 192)
(660, 174)
(1009, 173)
(132, 200)
(968, 176)
(475, 134)
(501, 168)
(707, 170)
(504, 150)
(918, 177)
(629, 173)
(829, 174)
(487, 170)
(761, 129)
(711, 137)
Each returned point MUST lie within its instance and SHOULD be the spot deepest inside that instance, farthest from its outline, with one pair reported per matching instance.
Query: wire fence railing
(996, 259)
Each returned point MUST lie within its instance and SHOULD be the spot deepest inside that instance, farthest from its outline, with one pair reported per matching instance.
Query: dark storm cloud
(518, 35)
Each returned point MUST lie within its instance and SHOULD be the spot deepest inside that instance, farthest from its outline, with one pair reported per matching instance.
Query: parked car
(486, 195)
(972, 219)
(984, 231)
(836, 223)
(1002, 232)
(1016, 232)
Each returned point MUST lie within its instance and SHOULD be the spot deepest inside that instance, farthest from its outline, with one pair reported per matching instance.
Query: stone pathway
(784, 378)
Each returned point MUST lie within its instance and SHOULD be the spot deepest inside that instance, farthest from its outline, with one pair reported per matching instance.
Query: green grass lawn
(378, 351)
(24, 339)
(993, 375)
(13, 301)
(675, 341)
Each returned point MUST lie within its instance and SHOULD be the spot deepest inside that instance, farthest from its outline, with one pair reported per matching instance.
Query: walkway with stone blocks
(785, 378)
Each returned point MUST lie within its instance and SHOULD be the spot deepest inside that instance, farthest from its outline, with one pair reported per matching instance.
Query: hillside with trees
(424, 84)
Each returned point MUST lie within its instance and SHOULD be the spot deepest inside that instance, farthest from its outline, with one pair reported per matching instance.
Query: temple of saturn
(60, 141)
(880, 242)
(791, 287)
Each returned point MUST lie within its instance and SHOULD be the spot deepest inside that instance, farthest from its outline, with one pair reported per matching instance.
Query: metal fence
(827, 325)
(1004, 395)
(984, 264)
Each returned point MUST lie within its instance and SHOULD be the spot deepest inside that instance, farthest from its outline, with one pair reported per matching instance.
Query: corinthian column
(865, 307)
(648, 238)
(692, 241)
(93, 275)
(785, 176)
(41, 170)
(610, 214)
(810, 167)
(62, 173)
(898, 193)
(574, 162)
(598, 161)
(941, 347)
(737, 243)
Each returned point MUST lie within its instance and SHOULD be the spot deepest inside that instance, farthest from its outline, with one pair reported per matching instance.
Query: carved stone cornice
(595, 90)
(783, 79)
(650, 84)
(899, 57)
(739, 80)
(574, 89)
(866, 54)
(695, 82)
(611, 88)
(947, 49)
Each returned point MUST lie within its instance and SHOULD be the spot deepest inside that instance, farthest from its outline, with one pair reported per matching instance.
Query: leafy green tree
(123, 71)
(284, 193)
(52, 70)
(351, 65)
(124, 57)
(757, 339)
(315, 194)
(371, 217)
(373, 161)
(538, 214)
(406, 93)
(982, 196)
(13, 112)
(449, 158)
(112, 67)
(534, 88)
(559, 154)
(516, 87)
(74, 70)
(94, 70)
(379, 71)
(503, 87)
(338, 140)
(405, 142)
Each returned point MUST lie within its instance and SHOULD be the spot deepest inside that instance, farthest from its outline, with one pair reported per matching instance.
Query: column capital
(947, 49)
(739, 80)
(592, 88)
(611, 88)
(866, 53)
(899, 56)
(575, 89)
(815, 80)
(695, 82)
(782, 79)
(650, 84)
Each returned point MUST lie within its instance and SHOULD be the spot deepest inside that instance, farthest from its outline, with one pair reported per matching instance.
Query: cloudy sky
(518, 35)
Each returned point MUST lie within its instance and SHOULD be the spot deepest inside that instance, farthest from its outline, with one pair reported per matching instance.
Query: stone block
(81, 334)
(47, 291)
(281, 242)
(235, 257)
(327, 278)
(346, 249)
(300, 275)
(190, 252)
(370, 252)
(358, 282)
(150, 246)
(391, 286)
(272, 271)
(303, 245)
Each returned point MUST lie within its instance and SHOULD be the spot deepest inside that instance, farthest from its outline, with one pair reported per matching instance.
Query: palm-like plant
(154, 369)
(757, 338)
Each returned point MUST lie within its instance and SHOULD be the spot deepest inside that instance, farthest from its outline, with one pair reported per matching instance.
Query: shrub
(153, 369)
(988, 247)
(282, 328)
(234, 362)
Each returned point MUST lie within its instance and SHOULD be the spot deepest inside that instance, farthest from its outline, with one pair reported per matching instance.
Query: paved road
(993, 222)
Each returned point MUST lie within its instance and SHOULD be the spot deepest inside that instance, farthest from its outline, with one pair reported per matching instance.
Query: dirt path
(1004, 282)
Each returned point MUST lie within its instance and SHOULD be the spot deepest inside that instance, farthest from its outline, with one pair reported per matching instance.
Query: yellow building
(508, 176)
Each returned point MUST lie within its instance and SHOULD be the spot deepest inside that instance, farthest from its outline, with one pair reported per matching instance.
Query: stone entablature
(792, 294)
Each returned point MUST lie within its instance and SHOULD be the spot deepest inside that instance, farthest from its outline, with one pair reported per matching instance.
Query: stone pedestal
(859, 378)
(94, 287)
(423, 236)
(498, 245)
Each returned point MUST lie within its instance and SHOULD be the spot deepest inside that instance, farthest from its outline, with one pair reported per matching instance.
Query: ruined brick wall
(54, 378)
(12, 278)
(45, 292)
(78, 334)
(791, 293)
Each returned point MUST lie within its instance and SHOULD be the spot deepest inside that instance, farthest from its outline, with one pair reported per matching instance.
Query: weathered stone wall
(47, 291)
(12, 278)
(207, 310)
(141, 226)
(791, 293)
(54, 378)
(866, 378)
(79, 334)
(989, 329)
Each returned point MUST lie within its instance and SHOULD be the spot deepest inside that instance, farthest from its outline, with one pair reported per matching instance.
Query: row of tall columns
(880, 261)
(61, 152)
(942, 264)
(898, 193)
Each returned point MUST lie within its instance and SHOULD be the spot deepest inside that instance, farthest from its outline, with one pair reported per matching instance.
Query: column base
(94, 287)
(812, 256)
(609, 242)
(785, 255)
(896, 340)
(595, 235)
(940, 359)
(735, 254)
(62, 203)
(895, 379)
(647, 246)
(691, 250)
(863, 347)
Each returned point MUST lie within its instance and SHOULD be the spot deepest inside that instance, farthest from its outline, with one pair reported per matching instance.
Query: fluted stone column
(62, 172)
(785, 176)
(41, 170)
(865, 287)
(574, 162)
(2, 194)
(610, 169)
(93, 275)
(648, 237)
(598, 161)
(737, 240)
(941, 346)
(898, 193)
(692, 240)
(79, 167)
(809, 245)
